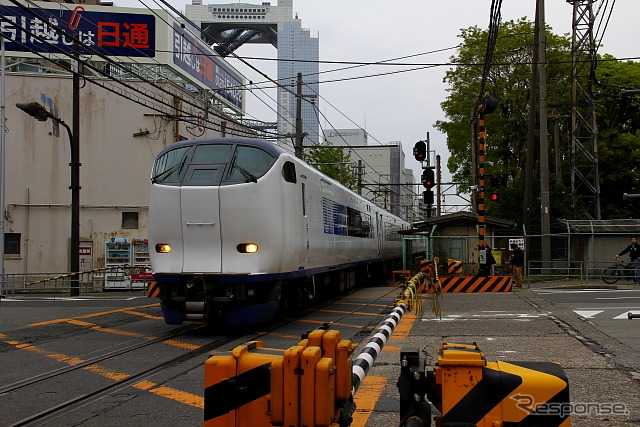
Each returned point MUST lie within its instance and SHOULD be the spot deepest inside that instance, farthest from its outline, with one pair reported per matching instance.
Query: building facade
(125, 120)
(233, 24)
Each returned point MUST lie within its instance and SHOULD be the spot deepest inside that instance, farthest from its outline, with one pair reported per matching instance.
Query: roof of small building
(458, 217)
(615, 226)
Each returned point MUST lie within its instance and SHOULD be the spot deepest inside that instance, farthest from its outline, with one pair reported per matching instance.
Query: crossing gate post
(305, 385)
(469, 390)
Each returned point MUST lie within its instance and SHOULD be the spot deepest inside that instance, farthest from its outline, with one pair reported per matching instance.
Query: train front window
(168, 167)
(249, 164)
(211, 154)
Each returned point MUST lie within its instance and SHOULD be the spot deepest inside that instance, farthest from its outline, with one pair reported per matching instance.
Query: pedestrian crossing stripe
(592, 314)
(587, 314)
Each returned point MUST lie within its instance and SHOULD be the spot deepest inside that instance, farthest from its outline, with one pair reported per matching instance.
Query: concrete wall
(114, 176)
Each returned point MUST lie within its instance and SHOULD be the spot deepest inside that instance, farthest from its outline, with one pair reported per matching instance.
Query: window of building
(12, 243)
(129, 219)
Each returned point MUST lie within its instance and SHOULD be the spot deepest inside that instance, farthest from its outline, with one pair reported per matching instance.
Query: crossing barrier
(469, 390)
(455, 282)
(313, 382)
(306, 385)
(459, 284)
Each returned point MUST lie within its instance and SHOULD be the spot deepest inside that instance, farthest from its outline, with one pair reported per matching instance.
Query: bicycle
(618, 271)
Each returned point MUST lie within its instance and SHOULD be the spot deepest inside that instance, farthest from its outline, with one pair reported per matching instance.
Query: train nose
(201, 229)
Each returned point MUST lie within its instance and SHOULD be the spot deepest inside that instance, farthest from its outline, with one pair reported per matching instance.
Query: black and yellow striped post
(309, 384)
(487, 106)
(473, 391)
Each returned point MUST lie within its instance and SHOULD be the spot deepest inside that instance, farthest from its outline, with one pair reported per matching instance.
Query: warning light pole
(487, 107)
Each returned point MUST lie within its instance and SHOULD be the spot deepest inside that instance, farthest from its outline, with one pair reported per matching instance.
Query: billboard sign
(199, 61)
(48, 30)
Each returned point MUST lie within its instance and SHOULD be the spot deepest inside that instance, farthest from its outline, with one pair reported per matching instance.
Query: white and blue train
(240, 228)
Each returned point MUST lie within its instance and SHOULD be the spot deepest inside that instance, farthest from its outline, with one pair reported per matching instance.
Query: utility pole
(298, 145)
(360, 174)
(75, 177)
(438, 186)
(545, 214)
(531, 133)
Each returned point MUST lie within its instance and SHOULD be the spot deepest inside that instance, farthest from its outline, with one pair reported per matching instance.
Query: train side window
(289, 172)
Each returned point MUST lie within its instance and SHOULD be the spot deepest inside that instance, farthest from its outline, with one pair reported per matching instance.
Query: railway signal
(420, 151)
(427, 197)
(428, 178)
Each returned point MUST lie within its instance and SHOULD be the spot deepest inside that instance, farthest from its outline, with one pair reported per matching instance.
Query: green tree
(333, 162)
(618, 119)
(506, 129)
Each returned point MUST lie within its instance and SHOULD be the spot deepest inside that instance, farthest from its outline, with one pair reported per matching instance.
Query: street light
(40, 113)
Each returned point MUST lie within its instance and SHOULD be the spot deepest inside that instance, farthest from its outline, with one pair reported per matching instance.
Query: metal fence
(60, 283)
(576, 256)
(568, 256)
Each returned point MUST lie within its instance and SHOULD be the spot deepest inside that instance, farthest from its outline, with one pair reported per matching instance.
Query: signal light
(420, 151)
(494, 197)
(427, 197)
(428, 178)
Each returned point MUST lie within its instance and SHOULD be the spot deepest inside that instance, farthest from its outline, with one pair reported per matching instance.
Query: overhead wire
(130, 85)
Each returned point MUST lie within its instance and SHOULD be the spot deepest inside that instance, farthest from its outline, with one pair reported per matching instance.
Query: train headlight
(163, 248)
(247, 248)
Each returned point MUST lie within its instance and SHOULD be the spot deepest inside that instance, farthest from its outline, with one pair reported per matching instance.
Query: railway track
(161, 369)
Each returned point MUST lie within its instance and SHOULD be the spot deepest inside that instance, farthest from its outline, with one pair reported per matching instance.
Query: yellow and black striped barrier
(153, 290)
(470, 391)
(484, 393)
(454, 267)
(460, 284)
(305, 385)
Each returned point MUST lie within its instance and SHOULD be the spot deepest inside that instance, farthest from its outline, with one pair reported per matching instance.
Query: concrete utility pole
(545, 209)
(298, 146)
(531, 132)
(75, 176)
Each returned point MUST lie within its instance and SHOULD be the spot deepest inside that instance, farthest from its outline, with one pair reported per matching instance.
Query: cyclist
(634, 262)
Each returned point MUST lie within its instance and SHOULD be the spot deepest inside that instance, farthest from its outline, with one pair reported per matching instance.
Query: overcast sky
(404, 107)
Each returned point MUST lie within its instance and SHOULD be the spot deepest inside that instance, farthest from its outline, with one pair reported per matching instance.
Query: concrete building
(345, 137)
(136, 108)
(232, 24)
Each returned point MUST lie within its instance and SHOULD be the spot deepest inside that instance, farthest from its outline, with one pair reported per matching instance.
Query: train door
(295, 245)
(200, 206)
(379, 234)
(305, 225)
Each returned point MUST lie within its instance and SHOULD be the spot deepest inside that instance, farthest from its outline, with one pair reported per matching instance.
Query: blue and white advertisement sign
(48, 30)
(199, 61)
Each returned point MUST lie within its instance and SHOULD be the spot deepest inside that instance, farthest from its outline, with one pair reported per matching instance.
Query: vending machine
(117, 253)
(141, 271)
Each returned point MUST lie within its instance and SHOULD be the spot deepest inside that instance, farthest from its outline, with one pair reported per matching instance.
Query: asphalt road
(606, 309)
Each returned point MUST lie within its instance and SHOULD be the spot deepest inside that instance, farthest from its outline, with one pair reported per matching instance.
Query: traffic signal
(428, 178)
(420, 151)
(494, 196)
(427, 197)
